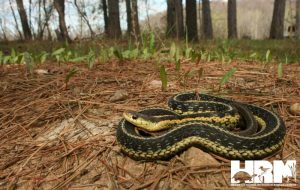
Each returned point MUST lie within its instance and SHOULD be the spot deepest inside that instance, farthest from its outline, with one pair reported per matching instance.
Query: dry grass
(53, 137)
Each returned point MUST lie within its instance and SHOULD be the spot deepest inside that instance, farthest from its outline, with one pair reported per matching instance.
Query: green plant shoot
(227, 76)
(163, 78)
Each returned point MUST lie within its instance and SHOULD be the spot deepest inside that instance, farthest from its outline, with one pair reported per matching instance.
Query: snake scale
(203, 121)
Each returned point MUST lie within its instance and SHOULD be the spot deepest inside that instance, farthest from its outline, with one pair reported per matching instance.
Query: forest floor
(58, 133)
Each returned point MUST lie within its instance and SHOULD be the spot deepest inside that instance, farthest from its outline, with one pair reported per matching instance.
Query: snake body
(201, 123)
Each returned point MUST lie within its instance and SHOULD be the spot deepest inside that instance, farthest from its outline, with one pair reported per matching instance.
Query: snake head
(140, 120)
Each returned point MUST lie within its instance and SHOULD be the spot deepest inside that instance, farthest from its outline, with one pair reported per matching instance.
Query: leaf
(91, 59)
(134, 53)
(43, 57)
(67, 56)
(146, 53)
(1, 57)
(253, 55)
(152, 43)
(268, 55)
(78, 59)
(13, 53)
(279, 70)
(208, 57)
(14, 59)
(227, 76)
(118, 54)
(70, 74)
(58, 51)
(163, 77)
(188, 52)
(173, 50)
(6, 59)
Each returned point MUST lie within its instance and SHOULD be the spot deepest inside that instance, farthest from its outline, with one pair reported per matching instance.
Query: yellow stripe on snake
(224, 127)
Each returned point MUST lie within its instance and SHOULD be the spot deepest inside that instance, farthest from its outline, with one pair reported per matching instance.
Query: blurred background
(84, 19)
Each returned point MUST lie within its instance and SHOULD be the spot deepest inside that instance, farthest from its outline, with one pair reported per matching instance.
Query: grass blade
(163, 78)
(279, 71)
(227, 76)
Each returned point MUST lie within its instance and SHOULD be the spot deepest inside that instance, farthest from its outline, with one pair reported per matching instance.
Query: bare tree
(129, 19)
(277, 27)
(179, 19)
(29, 17)
(191, 20)
(114, 28)
(170, 19)
(231, 19)
(298, 19)
(39, 17)
(135, 19)
(3, 31)
(105, 16)
(207, 23)
(60, 8)
(24, 21)
(47, 12)
(83, 15)
(15, 19)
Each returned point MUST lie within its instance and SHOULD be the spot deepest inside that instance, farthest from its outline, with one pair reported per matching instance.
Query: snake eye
(134, 117)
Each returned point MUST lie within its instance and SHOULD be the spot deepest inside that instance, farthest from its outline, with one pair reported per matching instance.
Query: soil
(59, 133)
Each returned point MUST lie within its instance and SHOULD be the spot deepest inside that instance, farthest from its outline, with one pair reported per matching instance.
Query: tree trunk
(277, 25)
(231, 19)
(298, 19)
(191, 20)
(179, 19)
(3, 31)
(60, 8)
(15, 19)
(114, 28)
(83, 15)
(135, 19)
(39, 20)
(47, 14)
(104, 7)
(24, 21)
(207, 23)
(170, 19)
(129, 19)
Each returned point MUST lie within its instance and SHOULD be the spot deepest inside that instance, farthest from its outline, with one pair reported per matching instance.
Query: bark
(179, 19)
(39, 19)
(191, 20)
(104, 7)
(200, 19)
(129, 19)
(29, 18)
(3, 31)
(60, 8)
(231, 19)
(170, 19)
(298, 19)
(15, 19)
(24, 20)
(207, 23)
(277, 25)
(135, 19)
(83, 16)
(114, 28)
(47, 13)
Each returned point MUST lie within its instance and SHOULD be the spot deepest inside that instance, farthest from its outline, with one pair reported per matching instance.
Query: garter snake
(201, 123)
